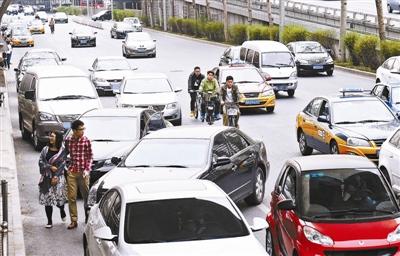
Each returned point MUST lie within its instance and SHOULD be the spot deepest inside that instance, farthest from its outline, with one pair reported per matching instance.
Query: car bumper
(372, 153)
(84, 42)
(21, 44)
(37, 31)
(107, 87)
(260, 102)
(61, 21)
(145, 52)
(283, 84)
(315, 67)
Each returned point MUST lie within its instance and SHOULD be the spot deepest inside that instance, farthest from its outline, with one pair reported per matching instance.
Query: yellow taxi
(36, 27)
(22, 37)
(351, 123)
(255, 92)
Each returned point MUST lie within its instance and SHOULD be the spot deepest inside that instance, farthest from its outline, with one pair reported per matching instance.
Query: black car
(102, 15)
(224, 155)
(120, 29)
(230, 56)
(113, 132)
(311, 57)
(83, 38)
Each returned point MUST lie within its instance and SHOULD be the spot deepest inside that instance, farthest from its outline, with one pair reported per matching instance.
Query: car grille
(155, 107)
(68, 118)
(251, 95)
(114, 81)
(375, 252)
(84, 38)
(317, 61)
(379, 143)
(280, 78)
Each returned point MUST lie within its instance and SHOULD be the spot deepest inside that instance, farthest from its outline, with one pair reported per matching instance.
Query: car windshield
(309, 48)
(184, 219)
(116, 64)
(396, 95)
(147, 85)
(139, 36)
(124, 25)
(111, 128)
(36, 23)
(360, 111)
(36, 55)
(66, 88)
(246, 75)
(168, 152)
(277, 59)
(348, 194)
(21, 32)
(36, 62)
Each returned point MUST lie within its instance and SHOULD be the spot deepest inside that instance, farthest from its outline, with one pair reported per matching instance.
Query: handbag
(44, 184)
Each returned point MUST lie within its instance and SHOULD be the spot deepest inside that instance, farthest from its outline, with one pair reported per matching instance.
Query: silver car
(50, 98)
(170, 218)
(393, 5)
(139, 44)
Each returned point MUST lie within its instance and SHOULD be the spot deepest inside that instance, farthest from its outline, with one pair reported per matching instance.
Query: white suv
(389, 71)
(389, 159)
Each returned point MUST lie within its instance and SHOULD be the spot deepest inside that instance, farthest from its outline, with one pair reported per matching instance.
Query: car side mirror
(259, 224)
(396, 191)
(70, 33)
(286, 205)
(116, 160)
(178, 89)
(154, 40)
(329, 51)
(95, 32)
(30, 95)
(63, 59)
(323, 119)
(104, 233)
(16, 69)
(220, 161)
(123, 41)
(90, 69)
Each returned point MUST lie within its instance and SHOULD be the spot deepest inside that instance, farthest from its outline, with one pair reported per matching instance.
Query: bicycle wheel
(196, 110)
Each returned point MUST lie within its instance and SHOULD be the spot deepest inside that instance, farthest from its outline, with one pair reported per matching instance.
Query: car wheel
(36, 142)
(390, 10)
(258, 189)
(333, 147)
(304, 148)
(290, 93)
(329, 72)
(24, 132)
(270, 109)
(178, 122)
(269, 243)
(386, 174)
(112, 36)
(123, 52)
(94, 45)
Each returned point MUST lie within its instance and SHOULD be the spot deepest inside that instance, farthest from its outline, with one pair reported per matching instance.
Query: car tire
(269, 243)
(26, 135)
(257, 194)
(305, 150)
(386, 174)
(290, 93)
(94, 45)
(329, 72)
(333, 148)
(35, 140)
(270, 109)
(178, 122)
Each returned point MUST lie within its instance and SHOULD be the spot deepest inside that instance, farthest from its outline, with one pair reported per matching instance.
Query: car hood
(114, 74)
(277, 73)
(357, 235)
(123, 175)
(24, 37)
(83, 35)
(148, 98)
(145, 44)
(370, 131)
(106, 150)
(247, 245)
(68, 107)
(311, 56)
(253, 87)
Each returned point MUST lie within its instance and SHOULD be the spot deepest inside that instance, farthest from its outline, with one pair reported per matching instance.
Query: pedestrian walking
(9, 53)
(52, 189)
(51, 25)
(80, 150)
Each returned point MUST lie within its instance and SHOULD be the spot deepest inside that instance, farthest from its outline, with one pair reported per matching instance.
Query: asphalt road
(176, 56)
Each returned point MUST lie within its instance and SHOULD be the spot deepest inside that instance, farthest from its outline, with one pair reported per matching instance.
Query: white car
(389, 159)
(135, 22)
(42, 16)
(191, 217)
(139, 44)
(152, 90)
(389, 71)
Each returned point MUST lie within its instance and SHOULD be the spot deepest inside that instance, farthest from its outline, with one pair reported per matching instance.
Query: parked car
(102, 15)
(351, 123)
(389, 159)
(28, 11)
(151, 90)
(22, 37)
(311, 57)
(43, 53)
(196, 216)
(60, 17)
(113, 132)
(120, 29)
(12, 9)
(253, 87)
(332, 205)
(83, 37)
(389, 71)
(36, 27)
(274, 59)
(230, 56)
(26, 63)
(393, 5)
(224, 155)
(107, 73)
(390, 94)
(50, 98)
(139, 44)
(42, 16)
(135, 22)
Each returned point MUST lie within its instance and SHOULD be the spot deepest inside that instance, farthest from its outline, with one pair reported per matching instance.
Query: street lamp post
(112, 10)
(281, 18)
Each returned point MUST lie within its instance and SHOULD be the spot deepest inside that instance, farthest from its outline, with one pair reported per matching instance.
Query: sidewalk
(8, 172)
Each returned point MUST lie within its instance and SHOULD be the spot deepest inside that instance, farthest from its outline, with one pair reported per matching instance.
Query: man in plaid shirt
(81, 157)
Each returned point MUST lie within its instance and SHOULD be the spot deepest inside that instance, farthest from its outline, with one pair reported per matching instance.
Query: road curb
(355, 71)
(8, 171)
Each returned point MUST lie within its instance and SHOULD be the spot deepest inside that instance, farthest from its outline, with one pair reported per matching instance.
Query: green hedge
(70, 10)
(350, 40)
(238, 33)
(366, 48)
(293, 33)
(119, 14)
(214, 31)
(390, 48)
(200, 28)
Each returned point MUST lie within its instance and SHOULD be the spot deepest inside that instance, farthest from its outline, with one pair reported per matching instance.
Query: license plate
(252, 102)
(66, 125)
(83, 41)
(141, 49)
(115, 86)
(232, 112)
(318, 67)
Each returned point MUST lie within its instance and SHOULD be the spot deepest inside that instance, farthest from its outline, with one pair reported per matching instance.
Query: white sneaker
(64, 219)
(48, 226)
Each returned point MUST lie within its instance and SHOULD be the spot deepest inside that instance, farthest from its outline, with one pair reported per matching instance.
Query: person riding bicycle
(209, 84)
(194, 81)
(229, 94)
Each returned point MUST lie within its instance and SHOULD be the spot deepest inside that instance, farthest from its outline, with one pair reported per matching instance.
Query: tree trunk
(3, 7)
(208, 14)
(194, 9)
(343, 27)
(226, 34)
(151, 14)
(381, 23)
(249, 12)
(269, 11)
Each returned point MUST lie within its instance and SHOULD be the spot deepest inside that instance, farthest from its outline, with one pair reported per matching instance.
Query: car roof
(57, 71)
(135, 75)
(265, 46)
(237, 66)
(143, 191)
(302, 42)
(110, 58)
(114, 112)
(187, 132)
(41, 50)
(391, 85)
(329, 162)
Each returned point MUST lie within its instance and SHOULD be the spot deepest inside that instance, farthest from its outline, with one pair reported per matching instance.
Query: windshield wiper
(270, 65)
(148, 241)
(346, 122)
(130, 93)
(104, 140)
(67, 97)
(372, 121)
(352, 211)
(172, 166)
(139, 166)
(283, 65)
(244, 82)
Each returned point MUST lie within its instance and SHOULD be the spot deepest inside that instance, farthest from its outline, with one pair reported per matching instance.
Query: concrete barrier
(87, 22)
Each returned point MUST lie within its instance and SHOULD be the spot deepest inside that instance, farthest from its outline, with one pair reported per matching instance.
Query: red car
(335, 205)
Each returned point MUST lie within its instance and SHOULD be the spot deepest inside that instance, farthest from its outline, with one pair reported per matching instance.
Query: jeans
(8, 61)
(193, 97)
(75, 181)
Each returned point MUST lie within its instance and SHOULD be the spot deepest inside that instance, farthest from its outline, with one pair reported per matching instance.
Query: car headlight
(316, 237)
(100, 80)
(92, 197)
(268, 93)
(172, 105)
(108, 163)
(357, 142)
(303, 62)
(394, 236)
(127, 105)
(329, 60)
(293, 75)
(43, 116)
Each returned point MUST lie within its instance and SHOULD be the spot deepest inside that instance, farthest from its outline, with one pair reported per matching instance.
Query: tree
(381, 23)
(343, 27)
(3, 7)
(226, 24)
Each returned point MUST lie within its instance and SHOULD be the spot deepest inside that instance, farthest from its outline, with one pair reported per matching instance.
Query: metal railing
(4, 223)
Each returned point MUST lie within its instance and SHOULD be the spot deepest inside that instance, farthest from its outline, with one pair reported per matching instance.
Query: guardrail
(87, 22)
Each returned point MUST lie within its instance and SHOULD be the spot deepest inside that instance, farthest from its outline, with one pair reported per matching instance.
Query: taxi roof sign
(345, 91)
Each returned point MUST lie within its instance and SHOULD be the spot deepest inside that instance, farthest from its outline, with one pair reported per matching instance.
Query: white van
(274, 59)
